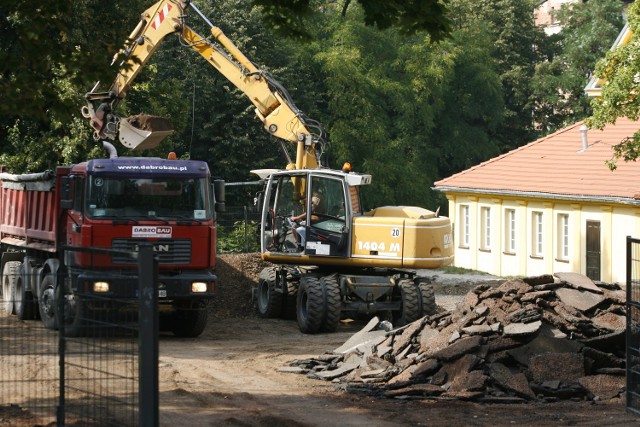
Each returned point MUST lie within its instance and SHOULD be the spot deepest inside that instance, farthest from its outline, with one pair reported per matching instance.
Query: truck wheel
(428, 297)
(9, 276)
(310, 307)
(333, 303)
(269, 301)
(189, 322)
(47, 303)
(24, 305)
(73, 314)
(410, 298)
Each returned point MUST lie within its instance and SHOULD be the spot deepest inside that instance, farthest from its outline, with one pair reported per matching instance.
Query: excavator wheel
(311, 310)
(291, 296)
(333, 301)
(269, 301)
(428, 297)
(411, 304)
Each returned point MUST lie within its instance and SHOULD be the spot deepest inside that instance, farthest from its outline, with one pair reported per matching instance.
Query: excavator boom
(273, 105)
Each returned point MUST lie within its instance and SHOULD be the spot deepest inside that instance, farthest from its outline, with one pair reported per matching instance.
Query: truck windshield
(142, 198)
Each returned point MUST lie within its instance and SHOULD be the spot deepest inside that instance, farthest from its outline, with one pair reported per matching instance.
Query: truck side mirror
(66, 193)
(219, 194)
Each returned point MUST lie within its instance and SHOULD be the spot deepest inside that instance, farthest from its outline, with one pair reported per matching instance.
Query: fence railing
(633, 325)
(106, 375)
(238, 229)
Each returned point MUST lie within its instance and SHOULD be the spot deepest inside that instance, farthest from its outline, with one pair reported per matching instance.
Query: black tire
(269, 301)
(333, 303)
(411, 304)
(428, 297)
(310, 308)
(73, 314)
(47, 303)
(10, 274)
(291, 297)
(24, 304)
(190, 322)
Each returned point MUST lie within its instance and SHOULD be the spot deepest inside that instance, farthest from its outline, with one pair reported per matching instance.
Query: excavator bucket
(143, 131)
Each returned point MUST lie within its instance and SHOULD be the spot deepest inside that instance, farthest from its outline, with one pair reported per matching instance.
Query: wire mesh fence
(633, 325)
(86, 367)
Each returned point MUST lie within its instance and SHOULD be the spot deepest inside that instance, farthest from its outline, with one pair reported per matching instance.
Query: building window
(510, 231)
(563, 236)
(536, 228)
(464, 226)
(485, 232)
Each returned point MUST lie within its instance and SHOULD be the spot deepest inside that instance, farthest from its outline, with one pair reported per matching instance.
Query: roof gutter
(540, 195)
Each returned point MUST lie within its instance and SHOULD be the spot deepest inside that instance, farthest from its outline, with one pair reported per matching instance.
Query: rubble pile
(538, 338)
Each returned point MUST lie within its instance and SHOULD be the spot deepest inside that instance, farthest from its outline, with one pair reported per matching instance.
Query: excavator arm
(273, 105)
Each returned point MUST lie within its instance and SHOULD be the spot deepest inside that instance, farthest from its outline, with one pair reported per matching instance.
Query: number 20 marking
(395, 232)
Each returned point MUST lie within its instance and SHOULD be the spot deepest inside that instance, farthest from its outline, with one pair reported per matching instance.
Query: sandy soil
(228, 377)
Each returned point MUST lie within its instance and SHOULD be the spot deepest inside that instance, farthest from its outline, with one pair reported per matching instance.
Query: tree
(588, 29)
(511, 27)
(619, 70)
(291, 17)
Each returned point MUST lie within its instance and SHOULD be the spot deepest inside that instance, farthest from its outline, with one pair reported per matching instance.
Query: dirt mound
(150, 123)
(237, 274)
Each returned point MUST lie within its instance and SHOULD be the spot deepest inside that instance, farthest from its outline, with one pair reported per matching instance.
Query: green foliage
(588, 31)
(395, 104)
(619, 98)
(242, 238)
(291, 17)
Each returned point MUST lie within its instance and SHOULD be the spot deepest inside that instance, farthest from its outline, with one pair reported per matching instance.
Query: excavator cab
(308, 213)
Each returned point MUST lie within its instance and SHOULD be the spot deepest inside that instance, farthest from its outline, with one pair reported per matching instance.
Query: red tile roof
(557, 166)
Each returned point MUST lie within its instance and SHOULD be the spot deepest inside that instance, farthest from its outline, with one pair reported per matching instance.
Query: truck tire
(428, 298)
(73, 314)
(333, 302)
(310, 307)
(411, 304)
(9, 276)
(47, 303)
(269, 301)
(25, 306)
(190, 322)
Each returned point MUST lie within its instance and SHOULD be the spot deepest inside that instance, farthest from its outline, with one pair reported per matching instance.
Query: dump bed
(28, 214)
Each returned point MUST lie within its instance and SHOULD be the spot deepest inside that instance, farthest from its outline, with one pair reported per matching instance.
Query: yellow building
(550, 206)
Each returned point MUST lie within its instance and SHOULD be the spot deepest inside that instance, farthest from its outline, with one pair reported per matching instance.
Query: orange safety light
(172, 156)
(346, 167)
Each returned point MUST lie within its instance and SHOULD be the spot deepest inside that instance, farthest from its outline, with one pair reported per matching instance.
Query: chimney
(583, 137)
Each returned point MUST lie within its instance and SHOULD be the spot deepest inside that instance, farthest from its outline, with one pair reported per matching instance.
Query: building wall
(544, 15)
(531, 237)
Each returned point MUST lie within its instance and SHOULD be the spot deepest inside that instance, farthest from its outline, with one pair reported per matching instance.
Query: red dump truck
(109, 205)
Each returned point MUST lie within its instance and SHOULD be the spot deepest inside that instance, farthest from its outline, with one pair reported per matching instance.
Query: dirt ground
(228, 377)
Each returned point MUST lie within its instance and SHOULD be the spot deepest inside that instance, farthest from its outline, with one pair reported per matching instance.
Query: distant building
(545, 15)
(550, 206)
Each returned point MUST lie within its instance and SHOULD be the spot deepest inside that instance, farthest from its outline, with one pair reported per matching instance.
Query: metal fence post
(246, 227)
(148, 336)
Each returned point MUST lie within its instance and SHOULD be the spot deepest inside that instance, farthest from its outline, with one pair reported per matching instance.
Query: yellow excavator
(330, 259)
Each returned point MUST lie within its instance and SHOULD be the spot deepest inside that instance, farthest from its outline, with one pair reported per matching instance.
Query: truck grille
(168, 251)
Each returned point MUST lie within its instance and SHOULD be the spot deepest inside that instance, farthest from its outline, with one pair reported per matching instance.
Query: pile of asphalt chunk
(540, 338)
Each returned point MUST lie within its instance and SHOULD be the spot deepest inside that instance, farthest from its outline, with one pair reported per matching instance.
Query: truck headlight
(100, 286)
(198, 287)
